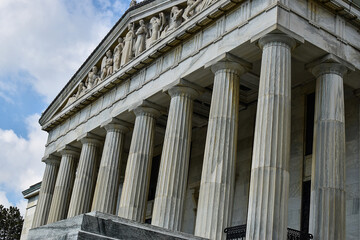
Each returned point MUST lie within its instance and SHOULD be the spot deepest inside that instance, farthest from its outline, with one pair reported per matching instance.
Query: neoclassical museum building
(209, 119)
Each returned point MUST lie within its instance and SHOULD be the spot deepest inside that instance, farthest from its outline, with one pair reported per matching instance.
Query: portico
(219, 100)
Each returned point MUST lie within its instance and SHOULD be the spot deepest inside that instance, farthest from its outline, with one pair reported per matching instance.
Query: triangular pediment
(141, 27)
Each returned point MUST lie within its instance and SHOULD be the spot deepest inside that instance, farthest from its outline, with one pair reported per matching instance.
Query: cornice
(185, 31)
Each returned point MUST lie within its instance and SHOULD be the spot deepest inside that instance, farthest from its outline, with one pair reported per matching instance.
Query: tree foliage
(10, 223)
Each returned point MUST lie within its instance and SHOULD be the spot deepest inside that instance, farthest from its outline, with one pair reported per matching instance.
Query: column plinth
(137, 175)
(82, 194)
(46, 191)
(218, 172)
(64, 184)
(172, 180)
(327, 208)
(107, 185)
(269, 184)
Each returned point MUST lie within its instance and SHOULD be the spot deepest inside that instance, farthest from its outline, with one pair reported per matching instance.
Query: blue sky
(43, 43)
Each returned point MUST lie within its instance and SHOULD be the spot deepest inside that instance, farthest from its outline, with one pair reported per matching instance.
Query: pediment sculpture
(137, 41)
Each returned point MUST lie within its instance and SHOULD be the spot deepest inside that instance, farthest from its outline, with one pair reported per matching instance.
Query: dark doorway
(305, 206)
(310, 114)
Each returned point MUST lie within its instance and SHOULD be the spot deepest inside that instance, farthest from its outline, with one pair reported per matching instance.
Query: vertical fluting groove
(46, 193)
(136, 183)
(171, 186)
(82, 193)
(106, 190)
(217, 179)
(63, 188)
(267, 213)
(327, 208)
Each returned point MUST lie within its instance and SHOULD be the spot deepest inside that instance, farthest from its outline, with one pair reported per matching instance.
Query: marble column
(327, 208)
(269, 183)
(82, 194)
(137, 175)
(107, 185)
(172, 180)
(46, 191)
(218, 173)
(64, 184)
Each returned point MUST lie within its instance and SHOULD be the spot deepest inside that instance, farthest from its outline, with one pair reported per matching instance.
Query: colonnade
(65, 194)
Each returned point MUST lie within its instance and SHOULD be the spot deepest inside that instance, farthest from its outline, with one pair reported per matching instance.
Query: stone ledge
(97, 225)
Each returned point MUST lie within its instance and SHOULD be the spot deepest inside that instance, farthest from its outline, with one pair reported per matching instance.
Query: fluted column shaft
(63, 186)
(269, 183)
(137, 175)
(218, 172)
(172, 180)
(82, 194)
(46, 192)
(107, 185)
(327, 209)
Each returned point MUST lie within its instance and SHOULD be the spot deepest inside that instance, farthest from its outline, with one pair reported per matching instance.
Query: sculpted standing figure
(127, 52)
(157, 25)
(107, 65)
(92, 78)
(117, 54)
(141, 34)
(191, 8)
(175, 18)
(133, 3)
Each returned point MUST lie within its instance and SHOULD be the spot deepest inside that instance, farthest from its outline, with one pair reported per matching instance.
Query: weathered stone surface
(327, 209)
(269, 184)
(46, 191)
(172, 180)
(137, 174)
(107, 185)
(96, 225)
(64, 184)
(218, 172)
(82, 194)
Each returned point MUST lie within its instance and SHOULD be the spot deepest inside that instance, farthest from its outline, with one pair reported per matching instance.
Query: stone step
(97, 225)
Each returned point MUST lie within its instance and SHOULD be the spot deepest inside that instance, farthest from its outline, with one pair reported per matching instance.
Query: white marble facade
(214, 93)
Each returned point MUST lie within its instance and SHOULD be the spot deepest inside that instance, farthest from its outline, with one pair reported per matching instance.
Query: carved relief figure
(157, 26)
(127, 52)
(91, 80)
(191, 8)
(117, 54)
(141, 34)
(175, 18)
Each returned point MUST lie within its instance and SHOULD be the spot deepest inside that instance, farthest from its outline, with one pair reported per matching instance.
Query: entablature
(76, 94)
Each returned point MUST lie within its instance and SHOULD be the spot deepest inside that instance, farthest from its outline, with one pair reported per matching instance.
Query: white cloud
(3, 199)
(21, 158)
(51, 39)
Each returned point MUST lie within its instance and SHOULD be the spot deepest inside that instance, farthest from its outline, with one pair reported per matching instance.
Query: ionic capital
(229, 62)
(277, 38)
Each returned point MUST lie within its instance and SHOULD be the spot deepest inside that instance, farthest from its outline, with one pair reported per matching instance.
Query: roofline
(138, 5)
